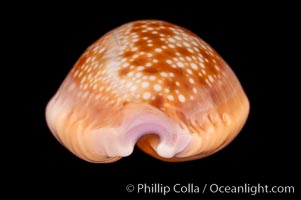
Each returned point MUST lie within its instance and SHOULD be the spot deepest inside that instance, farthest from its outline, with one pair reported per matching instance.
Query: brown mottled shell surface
(151, 83)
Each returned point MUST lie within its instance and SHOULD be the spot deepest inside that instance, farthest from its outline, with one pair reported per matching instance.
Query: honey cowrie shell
(151, 83)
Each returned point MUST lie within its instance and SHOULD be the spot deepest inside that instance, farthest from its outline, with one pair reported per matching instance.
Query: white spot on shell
(145, 84)
(180, 64)
(189, 71)
(171, 40)
(138, 74)
(163, 74)
(133, 88)
(130, 73)
(152, 78)
(170, 97)
(128, 85)
(140, 68)
(146, 95)
(194, 90)
(178, 38)
(194, 66)
(191, 80)
(134, 49)
(157, 87)
(186, 44)
(190, 50)
(211, 79)
(168, 61)
(158, 50)
(181, 98)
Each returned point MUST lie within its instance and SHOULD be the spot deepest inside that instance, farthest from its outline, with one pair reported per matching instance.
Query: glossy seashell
(152, 83)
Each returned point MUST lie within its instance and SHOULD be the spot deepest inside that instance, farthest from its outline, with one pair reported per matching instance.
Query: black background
(257, 42)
